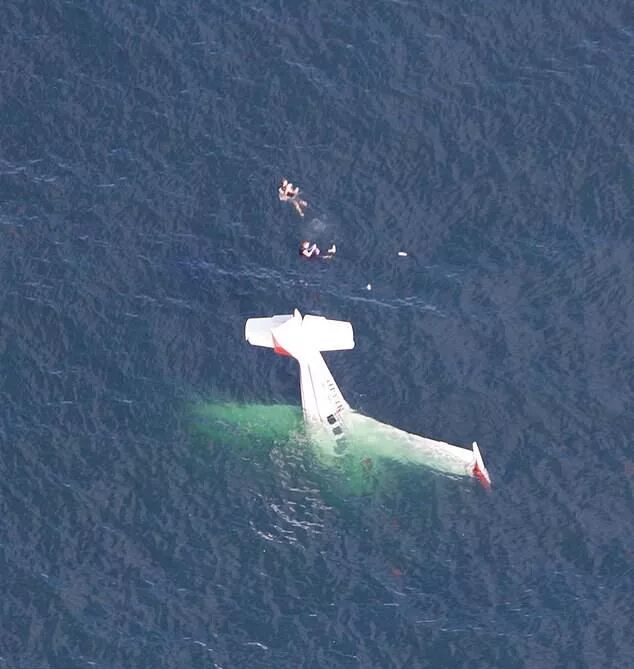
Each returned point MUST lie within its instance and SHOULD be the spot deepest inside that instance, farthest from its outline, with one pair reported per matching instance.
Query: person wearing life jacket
(287, 191)
(308, 250)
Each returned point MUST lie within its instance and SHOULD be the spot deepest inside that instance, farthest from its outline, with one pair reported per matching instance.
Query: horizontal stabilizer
(257, 331)
(294, 334)
(328, 335)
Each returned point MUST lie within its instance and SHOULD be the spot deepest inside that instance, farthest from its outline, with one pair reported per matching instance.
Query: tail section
(304, 339)
(297, 336)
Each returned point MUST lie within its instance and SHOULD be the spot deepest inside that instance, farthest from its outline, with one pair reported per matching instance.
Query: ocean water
(140, 148)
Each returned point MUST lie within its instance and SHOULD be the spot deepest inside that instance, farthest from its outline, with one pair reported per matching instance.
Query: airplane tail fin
(294, 335)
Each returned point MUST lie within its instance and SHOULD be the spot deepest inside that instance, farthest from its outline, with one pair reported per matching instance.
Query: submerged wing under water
(367, 444)
(245, 425)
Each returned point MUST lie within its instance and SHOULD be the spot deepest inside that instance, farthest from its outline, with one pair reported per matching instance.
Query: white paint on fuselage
(337, 429)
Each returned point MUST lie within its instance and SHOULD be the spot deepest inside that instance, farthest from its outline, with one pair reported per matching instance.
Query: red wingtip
(482, 476)
(479, 470)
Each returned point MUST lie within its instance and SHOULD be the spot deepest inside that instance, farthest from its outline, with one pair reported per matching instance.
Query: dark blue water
(140, 148)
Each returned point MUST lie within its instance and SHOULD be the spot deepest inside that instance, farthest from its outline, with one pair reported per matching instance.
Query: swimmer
(287, 192)
(308, 250)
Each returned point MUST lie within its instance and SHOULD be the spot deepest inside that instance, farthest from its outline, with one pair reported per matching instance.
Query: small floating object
(369, 287)
(402, 253)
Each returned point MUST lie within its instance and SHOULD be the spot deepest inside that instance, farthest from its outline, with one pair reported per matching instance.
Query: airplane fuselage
(330, 421)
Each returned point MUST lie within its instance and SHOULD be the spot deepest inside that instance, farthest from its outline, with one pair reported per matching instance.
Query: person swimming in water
(289, 193)
(308, 250)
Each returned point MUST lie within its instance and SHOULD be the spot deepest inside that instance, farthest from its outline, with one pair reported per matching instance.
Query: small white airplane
(333, 425)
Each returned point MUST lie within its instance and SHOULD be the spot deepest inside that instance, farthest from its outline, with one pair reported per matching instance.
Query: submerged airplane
(334, 427)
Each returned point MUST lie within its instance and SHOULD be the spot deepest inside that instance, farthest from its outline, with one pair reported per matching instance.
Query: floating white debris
(402, 253)
(369, 287)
